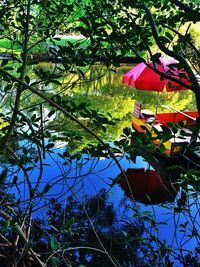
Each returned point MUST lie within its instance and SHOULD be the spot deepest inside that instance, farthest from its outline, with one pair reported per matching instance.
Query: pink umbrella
(144, 78)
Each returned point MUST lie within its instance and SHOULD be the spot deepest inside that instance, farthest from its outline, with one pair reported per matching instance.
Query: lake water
(87, 176)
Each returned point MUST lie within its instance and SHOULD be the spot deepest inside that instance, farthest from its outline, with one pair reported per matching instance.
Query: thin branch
(179, 34)
(116, 264)
(23, 169)
(162, 74)
(180, 58)
(82, 247)
(67, 114)
(186, 8)
(21, 234)
(20, 86)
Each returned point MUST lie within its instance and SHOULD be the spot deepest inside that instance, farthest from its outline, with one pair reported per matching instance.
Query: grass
(7, 46)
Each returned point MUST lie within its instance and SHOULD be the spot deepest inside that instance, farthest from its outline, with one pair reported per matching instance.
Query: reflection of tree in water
(180, 100)
(82, 224)
(96, 109)
(105, 82)
(90, 233)
(93, 233)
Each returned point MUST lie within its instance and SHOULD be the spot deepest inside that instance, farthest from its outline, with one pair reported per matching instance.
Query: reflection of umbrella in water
(148, 187)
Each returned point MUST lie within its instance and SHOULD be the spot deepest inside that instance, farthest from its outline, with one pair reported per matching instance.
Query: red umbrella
(148, 187)
(144, 78)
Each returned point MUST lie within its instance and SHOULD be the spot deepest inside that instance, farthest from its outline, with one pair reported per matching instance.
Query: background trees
(165, 27)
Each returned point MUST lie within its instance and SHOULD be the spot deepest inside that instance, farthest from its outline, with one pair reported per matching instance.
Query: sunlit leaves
(113, 32)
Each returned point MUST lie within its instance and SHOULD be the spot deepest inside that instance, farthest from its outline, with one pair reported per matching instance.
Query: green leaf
(19, 69)
(46, 189)
(54, 261)
(156, 58)
(51, 113)
(162, 148)
(3, 176)
(103, 128)
(4, 63)
(7, 87)
(169, 36)
(164, 40)
(54, 228)
(125, 233)
(50, 145)
(150, 146)
(115, 180)
(7, 223)
(69, 223)
(29, 169)
(174, 129)
(8, 68)
(81, 72)
(28, 246)
(148, 212)
(27, 79)
(55, 82)
(6, 78)
(166, 130)
(15, 179)
(82, 105)
(54, 243)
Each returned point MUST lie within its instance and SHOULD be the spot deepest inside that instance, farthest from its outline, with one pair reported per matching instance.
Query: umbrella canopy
(148, 187)
(144, 78)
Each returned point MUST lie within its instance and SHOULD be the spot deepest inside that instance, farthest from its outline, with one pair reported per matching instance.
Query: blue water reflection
(88, 176)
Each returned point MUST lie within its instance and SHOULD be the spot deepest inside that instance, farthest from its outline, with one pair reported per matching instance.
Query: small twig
(42, 131)
(67, 114)
(21, 234)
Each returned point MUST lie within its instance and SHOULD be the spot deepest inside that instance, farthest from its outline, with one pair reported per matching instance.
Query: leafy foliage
(32, 97)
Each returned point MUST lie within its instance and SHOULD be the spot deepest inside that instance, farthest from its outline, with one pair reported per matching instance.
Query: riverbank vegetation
(47, 216)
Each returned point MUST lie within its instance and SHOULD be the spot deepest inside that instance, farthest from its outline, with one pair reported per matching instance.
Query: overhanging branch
(186, 8)
(180, 58)
(67, 114)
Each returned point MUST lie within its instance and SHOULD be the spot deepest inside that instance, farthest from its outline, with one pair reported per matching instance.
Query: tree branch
(179, 34)
(22, 74)
(164, 75)
(18, 229)
(181, 59)
(186, 8)
(58, 107)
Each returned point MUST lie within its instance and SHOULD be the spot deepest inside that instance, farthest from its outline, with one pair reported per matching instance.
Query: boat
(174, 150)
(171, 131)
